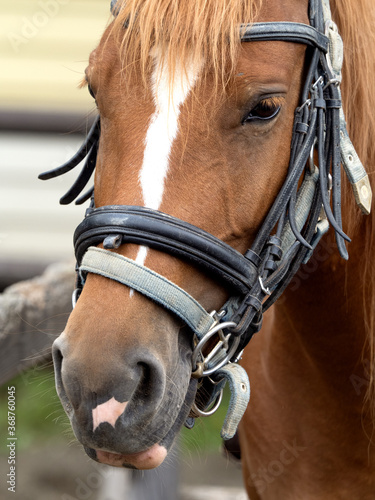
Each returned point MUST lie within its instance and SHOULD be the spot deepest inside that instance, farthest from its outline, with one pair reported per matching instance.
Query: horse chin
(144, 460)
(147, 457)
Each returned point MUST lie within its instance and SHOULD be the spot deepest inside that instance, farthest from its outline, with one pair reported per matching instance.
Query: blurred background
(44, 49)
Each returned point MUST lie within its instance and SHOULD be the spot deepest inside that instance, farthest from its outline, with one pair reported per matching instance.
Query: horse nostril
(57, 363)
(151, 381)
(146, 377)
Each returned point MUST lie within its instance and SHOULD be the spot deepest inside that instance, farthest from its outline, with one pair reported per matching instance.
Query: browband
(285, 32)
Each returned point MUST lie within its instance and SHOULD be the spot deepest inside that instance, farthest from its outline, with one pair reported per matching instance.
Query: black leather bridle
(257, 278)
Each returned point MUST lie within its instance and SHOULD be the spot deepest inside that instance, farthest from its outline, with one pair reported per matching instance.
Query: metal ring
(198, 351)
(215, 382)
(223, 362)
(216, 404)
(209, 334)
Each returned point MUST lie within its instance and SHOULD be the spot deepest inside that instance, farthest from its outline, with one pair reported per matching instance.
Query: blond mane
(184, 31)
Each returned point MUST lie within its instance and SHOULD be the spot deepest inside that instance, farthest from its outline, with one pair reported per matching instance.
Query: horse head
(205, 139)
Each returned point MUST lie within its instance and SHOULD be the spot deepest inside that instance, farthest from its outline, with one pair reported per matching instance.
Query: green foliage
(39, 414)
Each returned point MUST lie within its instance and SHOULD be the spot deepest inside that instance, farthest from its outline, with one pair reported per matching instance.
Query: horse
(218, 159)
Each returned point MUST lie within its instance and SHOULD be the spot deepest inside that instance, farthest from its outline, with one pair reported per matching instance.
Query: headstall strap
(298, 218)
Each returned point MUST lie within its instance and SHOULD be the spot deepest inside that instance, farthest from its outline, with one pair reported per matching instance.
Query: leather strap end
(363, 194)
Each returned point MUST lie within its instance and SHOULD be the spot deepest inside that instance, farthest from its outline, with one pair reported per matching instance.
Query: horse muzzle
(126, 411)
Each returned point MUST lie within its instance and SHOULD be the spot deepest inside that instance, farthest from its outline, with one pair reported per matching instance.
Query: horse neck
(327, 309)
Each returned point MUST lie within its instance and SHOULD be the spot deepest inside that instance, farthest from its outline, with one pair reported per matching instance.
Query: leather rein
(299, 216)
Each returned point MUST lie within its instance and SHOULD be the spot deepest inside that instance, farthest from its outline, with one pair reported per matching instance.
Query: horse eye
(267, 109)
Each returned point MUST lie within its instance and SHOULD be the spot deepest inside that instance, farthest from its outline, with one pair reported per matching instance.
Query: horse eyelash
(85, 83)
(270, 102)
(265, 104)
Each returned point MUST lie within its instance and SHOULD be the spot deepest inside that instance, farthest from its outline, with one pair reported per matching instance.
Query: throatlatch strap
(164, 292)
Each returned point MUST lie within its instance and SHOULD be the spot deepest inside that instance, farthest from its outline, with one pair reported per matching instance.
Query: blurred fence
(44, 49)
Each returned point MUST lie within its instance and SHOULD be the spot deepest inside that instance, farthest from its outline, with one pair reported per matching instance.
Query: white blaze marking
(162, 131)
(107, 412)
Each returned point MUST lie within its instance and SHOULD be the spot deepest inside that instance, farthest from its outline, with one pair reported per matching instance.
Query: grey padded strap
(164, 292)
(239, 386)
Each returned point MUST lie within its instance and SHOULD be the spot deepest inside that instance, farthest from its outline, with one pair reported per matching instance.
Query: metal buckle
(223, 349)
(306, 103)
(312, 166)
(320, 80)
(332, 81)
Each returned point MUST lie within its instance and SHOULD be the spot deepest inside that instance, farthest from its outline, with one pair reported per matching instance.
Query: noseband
(299, 216)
